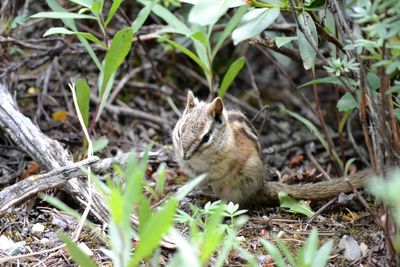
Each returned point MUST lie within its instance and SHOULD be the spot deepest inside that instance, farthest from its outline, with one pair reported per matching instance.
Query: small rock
(37, 229)
(352, 250)
(364, 249)
(10, 247)
(240, 239)
(44, 241)
(85, 249)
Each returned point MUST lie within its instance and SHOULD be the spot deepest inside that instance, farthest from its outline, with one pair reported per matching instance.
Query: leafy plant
(307, 255)
(117, 47)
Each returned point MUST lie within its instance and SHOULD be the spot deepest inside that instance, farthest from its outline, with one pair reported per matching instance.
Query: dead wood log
(50, 155)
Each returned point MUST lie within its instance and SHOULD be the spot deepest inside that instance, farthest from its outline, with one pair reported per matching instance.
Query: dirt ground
(155, 80)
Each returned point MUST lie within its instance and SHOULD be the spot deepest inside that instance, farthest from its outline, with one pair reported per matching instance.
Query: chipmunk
(223, 143)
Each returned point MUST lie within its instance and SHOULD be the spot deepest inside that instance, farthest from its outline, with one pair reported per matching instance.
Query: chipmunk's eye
(205, 138)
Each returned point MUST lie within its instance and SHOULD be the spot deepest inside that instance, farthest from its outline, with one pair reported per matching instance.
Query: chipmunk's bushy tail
(313, 191)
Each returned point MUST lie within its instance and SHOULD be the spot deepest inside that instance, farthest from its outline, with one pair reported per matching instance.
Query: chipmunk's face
(200, 129)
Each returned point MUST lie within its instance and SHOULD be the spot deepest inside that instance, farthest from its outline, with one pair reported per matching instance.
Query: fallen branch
(51, 156)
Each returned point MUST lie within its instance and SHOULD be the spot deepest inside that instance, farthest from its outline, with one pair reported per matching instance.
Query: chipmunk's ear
(191, 101)
(216, 109)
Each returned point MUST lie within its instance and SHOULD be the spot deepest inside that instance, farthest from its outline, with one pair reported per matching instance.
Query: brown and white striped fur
(224, 145)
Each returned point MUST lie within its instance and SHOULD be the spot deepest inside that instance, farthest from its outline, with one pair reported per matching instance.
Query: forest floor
(37, 72)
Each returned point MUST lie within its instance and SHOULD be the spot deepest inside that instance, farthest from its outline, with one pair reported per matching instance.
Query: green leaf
(156, 227)
(294, 206)
(189, 53)
(70, 23)
(119, 49)
(274, 252)
(144, 213)
(230, 75)
(307, 52)
(62, 15)
(212, 236)
(346, 103)
(373, 81)
(184, 190)
(113, 9)
(62, 30)
(168, 17)
(208, 12)
(83, 99)
(322, 254)
(76, 253)
(307, 253)
(85, 3)
(283, 40)
(254, 22)
(141, 17)
(116, 204)
(315, 5)
(233, 22)
(329, 80)
(343, 121)
(397, 113)
(100, 143)
(285, 251)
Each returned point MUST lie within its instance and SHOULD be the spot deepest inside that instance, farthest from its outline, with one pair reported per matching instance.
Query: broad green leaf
(254, 22)
(230, 75)
(393, 89)
(135, 173)
(141, 17)
(200, 36)
(307, 52)
(373, 81)
(346, 103)
(330, 80)
(119, 49)
(274, 252)
(308, 252)
(76, 253)
(189, 53)
(283, 40)
(322, 254)
(157, 226)
(186, 255)
(99, 144)
(168, 17)
(62, 15)
(208, 12)
(113, 9)
(294, 206)
(70, 23)
(233, 22)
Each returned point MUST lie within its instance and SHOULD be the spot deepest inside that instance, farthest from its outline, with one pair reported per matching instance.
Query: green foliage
(307, 40)
(308, 255)
(294, 206)
(386, 189)
(115, 53)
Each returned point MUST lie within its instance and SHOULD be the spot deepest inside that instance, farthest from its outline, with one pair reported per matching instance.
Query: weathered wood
(51, 156)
